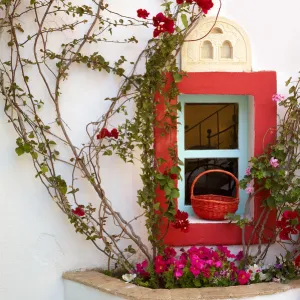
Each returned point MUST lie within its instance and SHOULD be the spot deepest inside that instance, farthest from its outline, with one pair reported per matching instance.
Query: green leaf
(175, 193)
(34, 155)
(177, 77)
(167, 190)
(20, 150)
(184, 21)
(44, 169)
(27, 147)
(156, 206)
(271, 202)
(288, 81)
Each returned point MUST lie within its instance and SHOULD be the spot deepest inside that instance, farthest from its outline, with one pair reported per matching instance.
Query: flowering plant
(195, 267)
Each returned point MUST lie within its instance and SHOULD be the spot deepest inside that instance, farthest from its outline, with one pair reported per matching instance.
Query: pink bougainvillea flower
(79, 211)
(205, 5)
(274, 162)
(243, 277)
(277, 98)
(169, 252)
(142, 13)
(248, 171)
(163, 24)
(288, 214)
(114, 133)
(249, 189)
(181, 221)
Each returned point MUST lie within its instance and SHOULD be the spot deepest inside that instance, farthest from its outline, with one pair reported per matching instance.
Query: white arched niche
(225, 48)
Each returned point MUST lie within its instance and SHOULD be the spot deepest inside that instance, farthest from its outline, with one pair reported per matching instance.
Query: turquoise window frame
(241, 153)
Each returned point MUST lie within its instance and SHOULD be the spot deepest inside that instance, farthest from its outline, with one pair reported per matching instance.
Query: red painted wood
(260, 85)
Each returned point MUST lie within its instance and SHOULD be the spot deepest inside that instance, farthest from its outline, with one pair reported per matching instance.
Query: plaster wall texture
(37, 243)
(77, 291)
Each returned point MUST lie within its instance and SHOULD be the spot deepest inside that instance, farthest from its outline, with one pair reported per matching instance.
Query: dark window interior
(211, 126)
(213, 183)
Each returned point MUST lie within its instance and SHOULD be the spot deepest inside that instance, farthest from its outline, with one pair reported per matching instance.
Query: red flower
(114, 133)
(284, 235)
(205, 5)
(79, 211)
(173, 176)
(103, 134)
(243, 277)
(169, 252)
(290, 214)
(181, 221)
(162, 24)
(179, 1)
(297, 261)
(141, 269)
(160, 264)
(142, 13)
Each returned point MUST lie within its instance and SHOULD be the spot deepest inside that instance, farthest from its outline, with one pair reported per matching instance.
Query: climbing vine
(30, 53)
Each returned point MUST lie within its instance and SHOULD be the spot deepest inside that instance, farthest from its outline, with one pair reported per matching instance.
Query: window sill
(197, 220)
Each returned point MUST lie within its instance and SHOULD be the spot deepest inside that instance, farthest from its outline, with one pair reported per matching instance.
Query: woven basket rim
(227, 199)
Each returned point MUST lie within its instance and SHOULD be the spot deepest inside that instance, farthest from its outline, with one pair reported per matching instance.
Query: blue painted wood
(241, 153)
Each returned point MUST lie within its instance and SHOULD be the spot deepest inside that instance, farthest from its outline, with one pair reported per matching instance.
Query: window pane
(211, 126)
(213, 183)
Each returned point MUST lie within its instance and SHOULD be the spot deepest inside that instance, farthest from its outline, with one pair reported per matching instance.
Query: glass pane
(211, 126)
(213, 183)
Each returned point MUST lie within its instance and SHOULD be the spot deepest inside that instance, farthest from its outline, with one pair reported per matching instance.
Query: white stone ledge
(114, 289)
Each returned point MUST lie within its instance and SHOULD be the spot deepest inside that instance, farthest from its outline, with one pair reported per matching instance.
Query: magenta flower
(226, 252)
(160, 264)
(248, 171)
(195, 271)
(206, 273)
(178, 270)
(169, 252)
(274, 162)
(277, 98)
(197, 262)
(178, 273)
(240, 256)
(141, 269)
(243, 277)
(218, 264)
(249, 189)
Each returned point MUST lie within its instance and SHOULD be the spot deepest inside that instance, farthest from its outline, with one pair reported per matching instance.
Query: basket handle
(216, 171)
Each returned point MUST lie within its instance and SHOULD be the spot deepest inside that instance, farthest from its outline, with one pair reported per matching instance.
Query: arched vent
(216, 30)
(226, 50)
(207, 50)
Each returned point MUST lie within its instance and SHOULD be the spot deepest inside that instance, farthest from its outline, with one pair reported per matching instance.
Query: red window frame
(260, 85)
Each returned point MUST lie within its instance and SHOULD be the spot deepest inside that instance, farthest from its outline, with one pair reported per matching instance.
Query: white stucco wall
(77, 291)
(37, 243)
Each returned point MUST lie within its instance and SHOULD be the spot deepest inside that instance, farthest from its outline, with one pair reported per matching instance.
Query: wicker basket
(214, 207)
